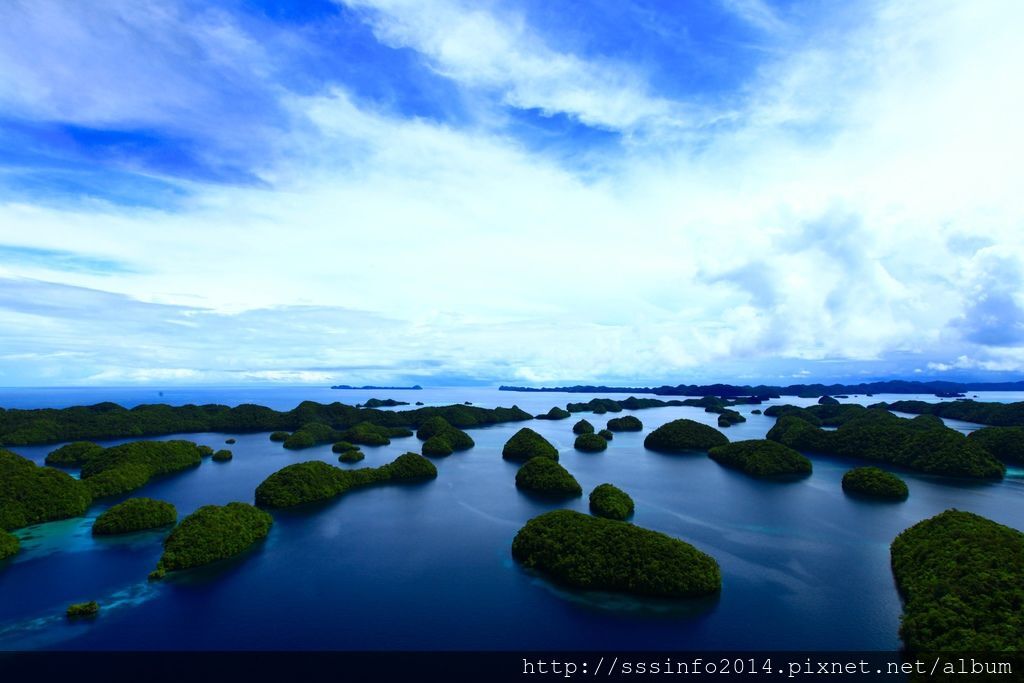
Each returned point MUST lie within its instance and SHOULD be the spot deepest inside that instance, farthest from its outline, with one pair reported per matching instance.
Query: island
(437, 447)
(309, 482)
(980, 412)
(526, 444)
(443, 436)
(126, 467)
(279, 436)
(414, 387)
(922, 443)
(135, 514)
(223, 455)
(111, 421)
(383, 403)
(205, 451)
(83, 610)
(590, 443)
(229, 442)
(9, 544)
(210, 534)
(30, 494)
(350, 456)
(962, 581)
(606, 434)
(610, 502)
(592, 553)
(680, 436)
(545, 476)
(583, 427)
(875, 482)
(343, 446)
(1004, 443)
(555, 413)
(827, 401)
(624, 424)
(72, 454)
(761, 458)
(726, 416)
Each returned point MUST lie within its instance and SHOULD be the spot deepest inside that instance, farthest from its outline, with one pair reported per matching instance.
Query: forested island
(308, 482)
(526, 444)
(212, 533)
(110, 421)
(126, 467)
(610, 502)
(923, 443)
(771, 391)
(761, 458)
(628, 423)
(680, 436)
(544, 475)
(440, 438)
(30, 494)
(594, 553)
(962, 579)
(986, 413)
(875, 483)
(590, 443)
(135, 514)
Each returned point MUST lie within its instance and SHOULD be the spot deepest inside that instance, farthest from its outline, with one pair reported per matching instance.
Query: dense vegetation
(601, 554)
(110, 421)
(205, 451)
(628, 423)
(279, 436)
(605, 434)
(343, 446)
(761, 458)
(544, 475)
(875, 482)
(9, 544)
(72, 454)
(353, 455)
(996, 414)
(590, 443)
(922, 443)
(436, 447)
(384, 403)
(124, 468)
(583, 427)
(223, 455)
(683, 435)
(526, 444)
(827, 400)
(555, 413)
(83, 610)
(212, 533)
(442, 437)
(307, 482)
(135, 514)
(962, 580)
(1004, 443)
(896, 386)
(610, 502)
(30, 494)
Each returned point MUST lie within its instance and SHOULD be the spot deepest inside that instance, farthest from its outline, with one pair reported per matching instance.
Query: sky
(446, 192)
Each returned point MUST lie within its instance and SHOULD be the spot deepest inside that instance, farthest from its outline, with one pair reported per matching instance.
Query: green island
(827, 400)
(279, 437)
(212, 533)
(876, 483)
(583, 427)
(124, 468)
(555, 413)
(30, 494)
(1004, 443)
(9, 544)
(352, 455)
(606, 434)
(680, 436)
(761, 458)
(443, 438)
(308, 482)
(544, 475)
(230, 441)
(726, 416)
(980, 412)
(72, 454)
(223, 455)
(383, 403)
(593, 553)
(83, 610)
(205, 451)
(343, 446)
(526, 444)
(610, 502)
(135, 514)
(962, 580)
(110, 421)
(922, 443)
(590, 443)
(628, 423)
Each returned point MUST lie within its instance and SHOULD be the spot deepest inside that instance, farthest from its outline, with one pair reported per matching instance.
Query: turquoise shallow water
(428, 566)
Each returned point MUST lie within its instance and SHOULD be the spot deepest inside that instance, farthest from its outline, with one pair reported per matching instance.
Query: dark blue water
(427, 566)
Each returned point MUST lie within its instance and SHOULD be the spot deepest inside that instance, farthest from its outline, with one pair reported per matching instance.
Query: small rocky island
(135, 514)
(681, 436)
(593, 553)
(526, 444)
(545, 476)
(875, 482)
(761, 458)
(212, 533)
(610, 502)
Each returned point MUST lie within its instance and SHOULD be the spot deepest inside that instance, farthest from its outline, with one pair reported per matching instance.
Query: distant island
(896, 386)
(414, 387)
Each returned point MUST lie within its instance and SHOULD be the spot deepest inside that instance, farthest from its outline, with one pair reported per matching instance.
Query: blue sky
(379, 191)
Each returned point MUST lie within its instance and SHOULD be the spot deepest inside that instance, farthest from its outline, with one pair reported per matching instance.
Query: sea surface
(428, 566)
